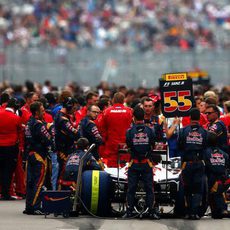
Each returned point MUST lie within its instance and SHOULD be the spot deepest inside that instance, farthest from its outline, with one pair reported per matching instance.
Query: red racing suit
(115, 120)
(26, 114)
(19, 172)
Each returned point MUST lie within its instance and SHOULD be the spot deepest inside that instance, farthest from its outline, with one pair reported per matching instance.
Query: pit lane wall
(88, 67)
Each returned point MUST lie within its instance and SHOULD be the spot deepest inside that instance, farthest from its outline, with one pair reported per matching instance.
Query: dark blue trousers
(135, 172)
(192, 176)
(36, 173)
(216, 194)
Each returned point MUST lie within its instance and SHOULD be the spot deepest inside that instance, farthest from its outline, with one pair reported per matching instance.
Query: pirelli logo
(175, 76)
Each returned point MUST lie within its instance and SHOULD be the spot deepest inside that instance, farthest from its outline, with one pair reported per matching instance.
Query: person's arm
(169, 131)
(93, 164)
(45, 137)
(69, 129)
(96, 136)
(128, 139)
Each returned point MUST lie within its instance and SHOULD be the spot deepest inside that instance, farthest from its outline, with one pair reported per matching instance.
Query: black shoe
(33, 212)
(22, 196)
(28, 212)
(217, 216)
(187, 217)
(8, 198)
(194, 217)
(154, 216)
(126, 216)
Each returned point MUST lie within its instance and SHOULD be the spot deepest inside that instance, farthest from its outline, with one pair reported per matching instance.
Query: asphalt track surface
(11, 218)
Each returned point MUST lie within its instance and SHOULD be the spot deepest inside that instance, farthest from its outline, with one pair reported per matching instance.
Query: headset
(69, 103)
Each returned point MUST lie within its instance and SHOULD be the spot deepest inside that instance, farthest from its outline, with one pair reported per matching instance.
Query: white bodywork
(159, 172)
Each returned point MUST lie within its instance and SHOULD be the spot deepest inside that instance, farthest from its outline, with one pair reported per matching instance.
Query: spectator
(141, 25)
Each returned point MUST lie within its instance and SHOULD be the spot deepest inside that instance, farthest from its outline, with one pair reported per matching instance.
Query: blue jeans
(55, 168)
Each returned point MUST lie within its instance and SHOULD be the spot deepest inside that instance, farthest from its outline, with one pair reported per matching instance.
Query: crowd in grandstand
(128, 24)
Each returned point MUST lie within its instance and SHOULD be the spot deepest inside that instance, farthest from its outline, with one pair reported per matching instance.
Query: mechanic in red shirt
(30, 98)
(10, 138)
(91, 99)
(115, 120)
(104, 103)
(226, 117)
(47, 116)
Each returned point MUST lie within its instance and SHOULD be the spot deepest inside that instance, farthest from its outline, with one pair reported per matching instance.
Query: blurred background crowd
(125, 24)
(104, 88)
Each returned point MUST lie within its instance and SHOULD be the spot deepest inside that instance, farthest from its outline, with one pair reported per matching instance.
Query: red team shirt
(115, 120)
(10, 128)
(203, 120)
(79, 115)
(226, 120)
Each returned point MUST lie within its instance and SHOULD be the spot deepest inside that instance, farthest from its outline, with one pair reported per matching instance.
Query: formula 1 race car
(109, 191)
(103, 193)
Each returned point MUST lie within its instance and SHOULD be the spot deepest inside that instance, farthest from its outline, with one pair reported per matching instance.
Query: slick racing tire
(96, 186)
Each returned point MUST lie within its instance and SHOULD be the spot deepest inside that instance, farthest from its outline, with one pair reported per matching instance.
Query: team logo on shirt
(217, 159)
(73, 160)
(212, 128)
(140, 139)
(194, 138)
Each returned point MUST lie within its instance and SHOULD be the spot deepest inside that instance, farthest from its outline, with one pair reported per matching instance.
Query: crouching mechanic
(216, 168)
(38, 142)
(140, 139)
(70, 173)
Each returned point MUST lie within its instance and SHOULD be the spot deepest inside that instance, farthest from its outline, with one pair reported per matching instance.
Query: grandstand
(140, 25)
